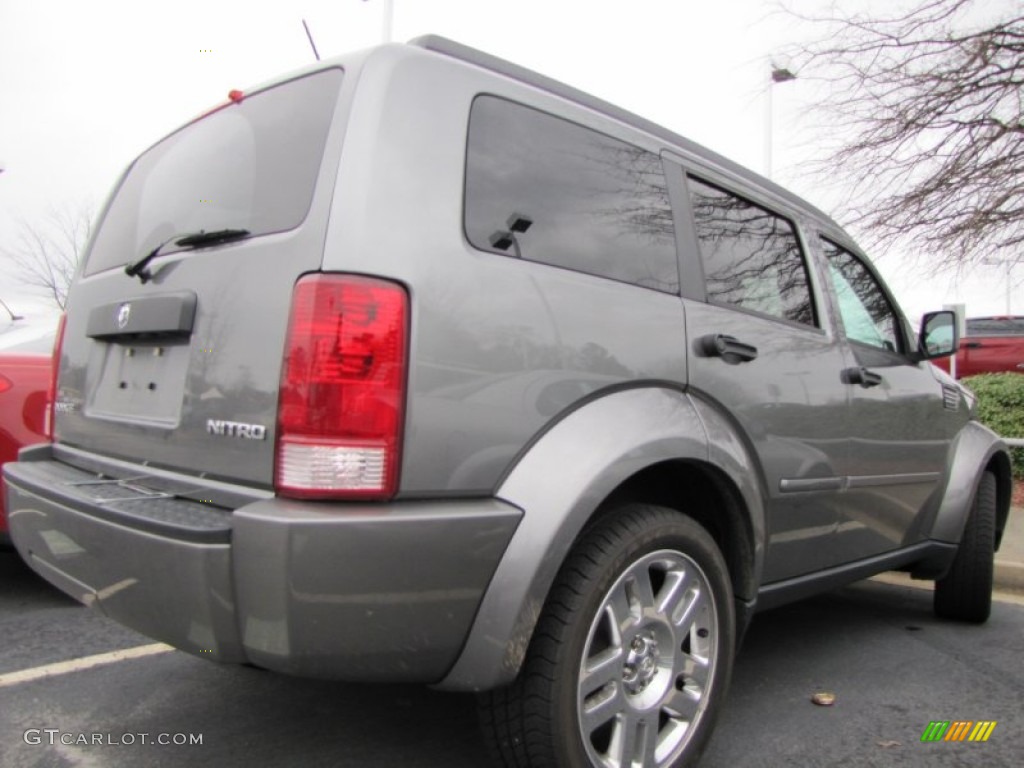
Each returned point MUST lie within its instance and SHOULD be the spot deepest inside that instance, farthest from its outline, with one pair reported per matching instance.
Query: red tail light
(342, 389)
(51, 402)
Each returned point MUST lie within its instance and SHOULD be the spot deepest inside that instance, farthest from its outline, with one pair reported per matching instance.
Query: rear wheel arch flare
(707, 496)
(633, 652)
(611, 441)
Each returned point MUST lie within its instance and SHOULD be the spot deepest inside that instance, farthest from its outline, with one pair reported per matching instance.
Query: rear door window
(752, 256)
(249, 165)
(544, 189)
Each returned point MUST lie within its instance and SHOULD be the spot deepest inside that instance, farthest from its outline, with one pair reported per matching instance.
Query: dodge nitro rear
(418, 366)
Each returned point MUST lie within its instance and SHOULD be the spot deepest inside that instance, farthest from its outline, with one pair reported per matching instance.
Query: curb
(1009, 575)
(1009, 572)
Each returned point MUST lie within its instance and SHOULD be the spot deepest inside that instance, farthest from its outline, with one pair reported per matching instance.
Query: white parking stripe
(86, 662)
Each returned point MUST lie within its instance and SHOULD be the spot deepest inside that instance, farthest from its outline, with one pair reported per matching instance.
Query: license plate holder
(140, 382)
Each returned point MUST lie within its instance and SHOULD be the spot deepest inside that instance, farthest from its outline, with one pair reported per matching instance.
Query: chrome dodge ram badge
(123, 313)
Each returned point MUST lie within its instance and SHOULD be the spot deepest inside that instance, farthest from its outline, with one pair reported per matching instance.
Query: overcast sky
(87, 85)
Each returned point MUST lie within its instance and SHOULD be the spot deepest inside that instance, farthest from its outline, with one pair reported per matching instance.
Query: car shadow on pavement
(23, 585)
(889, 664)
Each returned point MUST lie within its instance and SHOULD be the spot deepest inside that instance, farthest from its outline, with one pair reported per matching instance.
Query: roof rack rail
(448, 47)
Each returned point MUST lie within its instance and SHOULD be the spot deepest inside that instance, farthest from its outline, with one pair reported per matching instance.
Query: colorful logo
(958, 730)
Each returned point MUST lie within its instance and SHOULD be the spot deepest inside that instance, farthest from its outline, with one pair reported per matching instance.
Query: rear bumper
(354, 591)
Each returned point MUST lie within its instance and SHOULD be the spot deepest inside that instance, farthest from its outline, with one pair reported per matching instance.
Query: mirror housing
(939, 336)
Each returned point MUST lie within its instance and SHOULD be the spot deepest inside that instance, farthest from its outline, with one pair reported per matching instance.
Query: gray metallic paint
(975, 449)
(786, 406)
(516, 390)
(174, 591)
(481, 323)
(799, 587)
(728, 452)
(395, 586)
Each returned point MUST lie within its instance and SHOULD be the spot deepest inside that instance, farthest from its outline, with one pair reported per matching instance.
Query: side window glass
(867, 315)
(543, 189)
(752, 257)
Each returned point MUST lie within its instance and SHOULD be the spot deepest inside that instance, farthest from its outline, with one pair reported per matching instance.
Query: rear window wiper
(193, 240)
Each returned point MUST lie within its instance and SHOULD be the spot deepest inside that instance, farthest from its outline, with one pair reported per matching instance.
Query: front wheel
(631, 656)
(965, 592)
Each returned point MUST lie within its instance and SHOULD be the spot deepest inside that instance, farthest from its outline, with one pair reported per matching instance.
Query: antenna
(310, 36)
(14, 317)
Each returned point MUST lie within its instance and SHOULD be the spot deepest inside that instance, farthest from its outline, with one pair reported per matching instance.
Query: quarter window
(543, 189)
(752, 257)
(867, 315)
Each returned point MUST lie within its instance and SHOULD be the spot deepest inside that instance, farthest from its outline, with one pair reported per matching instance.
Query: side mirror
(938, 336)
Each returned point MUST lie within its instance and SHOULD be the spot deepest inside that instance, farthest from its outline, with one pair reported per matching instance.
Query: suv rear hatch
(178, 365)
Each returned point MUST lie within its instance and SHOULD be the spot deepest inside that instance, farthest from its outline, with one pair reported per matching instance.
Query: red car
(25, 374)
(992, 345)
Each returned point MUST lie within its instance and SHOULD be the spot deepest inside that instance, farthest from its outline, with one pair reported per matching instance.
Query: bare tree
(926, 115)
(47, 253)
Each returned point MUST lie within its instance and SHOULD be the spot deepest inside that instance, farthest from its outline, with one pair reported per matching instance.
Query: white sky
(86, 85)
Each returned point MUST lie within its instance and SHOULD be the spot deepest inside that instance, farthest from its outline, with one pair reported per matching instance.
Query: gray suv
(418, 366)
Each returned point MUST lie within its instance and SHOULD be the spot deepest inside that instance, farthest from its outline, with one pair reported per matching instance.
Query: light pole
(776, 74)
(389, 13)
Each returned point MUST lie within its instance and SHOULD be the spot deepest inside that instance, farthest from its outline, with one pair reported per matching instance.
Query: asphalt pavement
(892, 666)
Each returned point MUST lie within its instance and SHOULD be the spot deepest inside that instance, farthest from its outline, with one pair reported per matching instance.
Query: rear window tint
(584, 201)
(251, 165)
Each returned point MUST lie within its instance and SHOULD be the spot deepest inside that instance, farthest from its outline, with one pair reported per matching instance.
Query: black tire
(664, 676)
(965, 592)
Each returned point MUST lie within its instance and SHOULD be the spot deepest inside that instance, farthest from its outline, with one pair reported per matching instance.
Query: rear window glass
(251, 165)
(544, 189)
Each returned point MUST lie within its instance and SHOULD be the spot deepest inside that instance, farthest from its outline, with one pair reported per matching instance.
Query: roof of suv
(470, 55)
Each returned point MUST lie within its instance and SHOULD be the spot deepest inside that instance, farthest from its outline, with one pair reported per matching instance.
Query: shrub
(1001, 408)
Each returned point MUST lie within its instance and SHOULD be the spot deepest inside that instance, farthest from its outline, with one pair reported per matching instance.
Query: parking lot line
(86, 662)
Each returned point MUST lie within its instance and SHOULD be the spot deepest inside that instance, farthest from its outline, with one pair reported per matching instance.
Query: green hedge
(1001, 408)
